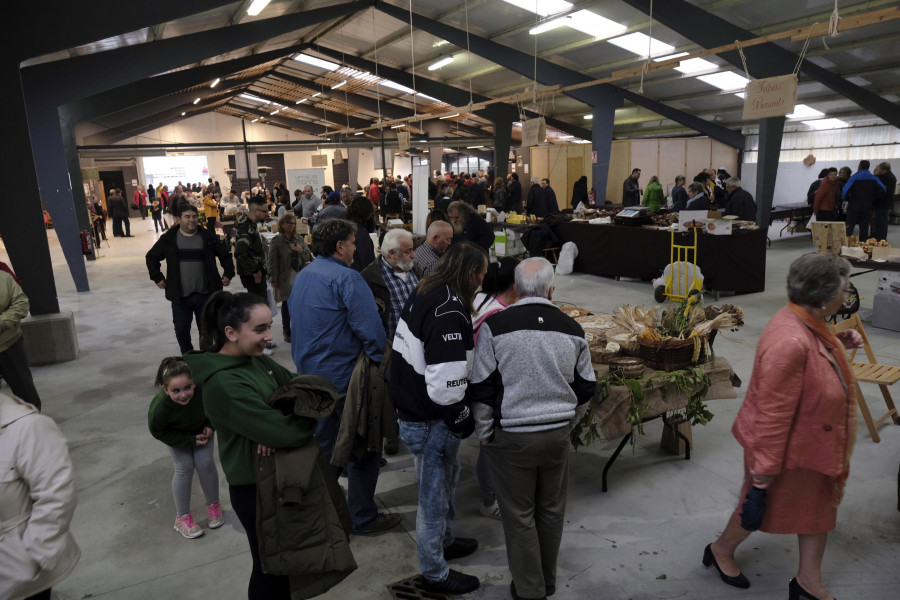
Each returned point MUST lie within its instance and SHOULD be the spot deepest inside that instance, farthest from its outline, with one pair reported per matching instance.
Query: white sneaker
(491, 511)
(185, 526)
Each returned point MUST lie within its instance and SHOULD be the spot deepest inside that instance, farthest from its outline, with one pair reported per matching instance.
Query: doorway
(110, 180)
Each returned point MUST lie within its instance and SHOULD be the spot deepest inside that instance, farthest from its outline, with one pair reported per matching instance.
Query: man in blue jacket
(861, 192)
(333, 319)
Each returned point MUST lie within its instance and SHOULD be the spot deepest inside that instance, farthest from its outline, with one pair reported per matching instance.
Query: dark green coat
(302, 520)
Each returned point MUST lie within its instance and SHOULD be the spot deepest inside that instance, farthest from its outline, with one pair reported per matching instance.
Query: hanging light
(215, 83)
(343, 83)
(441, 63)
(197, 101)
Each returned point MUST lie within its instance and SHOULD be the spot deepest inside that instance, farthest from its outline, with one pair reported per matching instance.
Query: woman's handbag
(753, 509)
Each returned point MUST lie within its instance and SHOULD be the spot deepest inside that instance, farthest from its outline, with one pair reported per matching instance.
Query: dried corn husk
(722, 321)
(636, 318)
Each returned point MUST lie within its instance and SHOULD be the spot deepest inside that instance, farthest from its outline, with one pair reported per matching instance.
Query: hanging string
(740, 50)
(345, 65)
(645, 68)
(468, 54)
(834, 21)
(803, 51)
(534, 82)
(412, 50)
(377, 78)
(833, 25)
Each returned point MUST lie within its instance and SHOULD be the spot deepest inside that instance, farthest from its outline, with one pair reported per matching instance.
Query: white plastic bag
(566, 261)
(579, 209)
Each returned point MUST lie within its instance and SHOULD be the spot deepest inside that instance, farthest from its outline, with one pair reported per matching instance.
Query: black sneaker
(455, 584)
(460, 547)
(383, 522)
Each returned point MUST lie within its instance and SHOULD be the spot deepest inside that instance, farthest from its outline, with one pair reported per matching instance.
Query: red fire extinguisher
(87, 244)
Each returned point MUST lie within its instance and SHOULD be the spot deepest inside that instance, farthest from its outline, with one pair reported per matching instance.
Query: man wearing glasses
(249, 254)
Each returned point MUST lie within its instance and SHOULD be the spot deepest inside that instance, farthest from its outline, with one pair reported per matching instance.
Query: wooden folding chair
(871, 372)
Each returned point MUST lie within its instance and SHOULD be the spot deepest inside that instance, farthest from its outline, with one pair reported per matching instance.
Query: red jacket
(796, 412)
(828, 196)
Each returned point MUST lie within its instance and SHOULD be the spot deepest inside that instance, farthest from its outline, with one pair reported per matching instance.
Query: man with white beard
(392, 277)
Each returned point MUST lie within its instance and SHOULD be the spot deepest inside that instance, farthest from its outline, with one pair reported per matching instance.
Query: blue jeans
(434, 451)
(362, 476)
(183, 311)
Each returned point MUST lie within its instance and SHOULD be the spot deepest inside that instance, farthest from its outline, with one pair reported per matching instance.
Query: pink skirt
(797, 501)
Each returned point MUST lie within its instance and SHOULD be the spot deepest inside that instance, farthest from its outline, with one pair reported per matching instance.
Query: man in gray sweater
(532, 380)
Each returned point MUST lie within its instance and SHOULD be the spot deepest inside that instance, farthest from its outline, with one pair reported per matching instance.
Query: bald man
(437, 240)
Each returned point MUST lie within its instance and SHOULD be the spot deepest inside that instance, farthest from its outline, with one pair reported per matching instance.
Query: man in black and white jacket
(531, 382)
(430, 364)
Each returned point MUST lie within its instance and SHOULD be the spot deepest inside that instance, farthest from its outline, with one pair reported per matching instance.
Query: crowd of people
(426, 346)
(860, 199)
(710, 190)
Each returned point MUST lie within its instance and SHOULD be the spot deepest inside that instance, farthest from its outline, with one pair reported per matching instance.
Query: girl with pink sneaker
(182, 425)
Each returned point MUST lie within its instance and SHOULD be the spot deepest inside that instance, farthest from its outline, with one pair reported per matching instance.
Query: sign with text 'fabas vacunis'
(534, 132)
(770, 97)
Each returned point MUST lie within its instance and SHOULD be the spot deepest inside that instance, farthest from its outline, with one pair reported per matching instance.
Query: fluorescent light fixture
(564, 137)
(473, 147)
(449, 116)
(727, 80)
(359, 133)
(441, 63)
(802, 111)
(439, 43)
(582, 142)
(589, 117)
(255, 120)
(593, 24)
(216, 82)
(826, 124)
(548, 26)
(427, 97)
(396, 86)
(256, 7)
(691, 65)
(637, 44)
(301, 100)
(184, 113)
(254, 98)
(316, 62)
(544, 8)
(740, 95)
(197, 101)
(341, 84)
(398, 126)
(275, 112)
(317, 94)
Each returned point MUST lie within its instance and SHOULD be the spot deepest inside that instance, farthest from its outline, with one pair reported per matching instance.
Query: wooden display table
(663, 397)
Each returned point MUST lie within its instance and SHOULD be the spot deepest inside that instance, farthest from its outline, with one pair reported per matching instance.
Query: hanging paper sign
(770, 97)
(319, 160)
(534, 132)
(403, 139)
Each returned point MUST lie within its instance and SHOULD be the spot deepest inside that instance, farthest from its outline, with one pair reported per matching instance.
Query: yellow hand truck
(682, 273)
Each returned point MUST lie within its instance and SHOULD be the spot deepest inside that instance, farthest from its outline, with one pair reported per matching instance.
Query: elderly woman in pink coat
(797, 425)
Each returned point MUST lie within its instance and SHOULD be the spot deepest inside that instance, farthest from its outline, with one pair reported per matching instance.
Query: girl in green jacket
(181, 424)
(237, 379)
(654, 197)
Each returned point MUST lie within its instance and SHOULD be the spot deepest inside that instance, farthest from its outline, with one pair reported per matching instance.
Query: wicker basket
(627, 367)
(671, 354)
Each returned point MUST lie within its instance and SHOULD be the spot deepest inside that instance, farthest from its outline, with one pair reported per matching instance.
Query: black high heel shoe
(796, 592)
(738, 581)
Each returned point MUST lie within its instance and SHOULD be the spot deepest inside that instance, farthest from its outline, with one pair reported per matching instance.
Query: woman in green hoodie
(236, 378)
(654, 197)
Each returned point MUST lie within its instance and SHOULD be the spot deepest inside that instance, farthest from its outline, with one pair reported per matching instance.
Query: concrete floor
(641, 540)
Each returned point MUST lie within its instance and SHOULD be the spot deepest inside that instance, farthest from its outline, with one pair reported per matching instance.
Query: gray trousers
(530, 473)
(201, 458)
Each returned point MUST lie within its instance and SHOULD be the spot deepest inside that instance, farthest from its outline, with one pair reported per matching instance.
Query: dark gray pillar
(771, 131)
(21, 216)
(601, 143)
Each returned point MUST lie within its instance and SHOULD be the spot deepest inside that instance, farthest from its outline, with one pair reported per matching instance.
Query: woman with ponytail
(236, 378)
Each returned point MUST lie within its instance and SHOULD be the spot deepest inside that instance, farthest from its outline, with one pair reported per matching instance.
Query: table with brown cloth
(734, 263)
(661, 397)
(610, 412)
